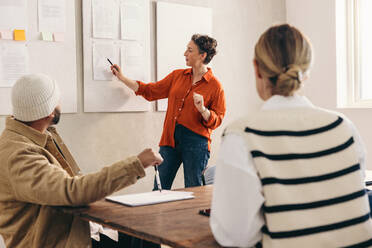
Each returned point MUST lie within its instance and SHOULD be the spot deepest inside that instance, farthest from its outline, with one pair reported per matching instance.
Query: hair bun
(289, 80)
(205, 44)
(294, 71)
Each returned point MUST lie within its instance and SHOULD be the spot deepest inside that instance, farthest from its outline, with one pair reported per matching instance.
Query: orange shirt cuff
(141, 88)
(212, 119)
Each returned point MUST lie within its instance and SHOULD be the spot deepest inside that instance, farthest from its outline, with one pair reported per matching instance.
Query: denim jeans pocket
(201, 146)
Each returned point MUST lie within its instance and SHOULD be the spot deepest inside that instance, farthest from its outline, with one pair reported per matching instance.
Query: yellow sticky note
(19, 34)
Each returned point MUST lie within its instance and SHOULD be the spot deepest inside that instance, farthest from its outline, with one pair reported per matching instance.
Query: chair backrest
(208, 175)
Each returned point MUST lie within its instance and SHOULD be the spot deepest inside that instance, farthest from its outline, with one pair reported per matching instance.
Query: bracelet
(205, 109)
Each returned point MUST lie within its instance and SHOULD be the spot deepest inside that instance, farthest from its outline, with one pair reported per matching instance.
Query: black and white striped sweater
(311, 178)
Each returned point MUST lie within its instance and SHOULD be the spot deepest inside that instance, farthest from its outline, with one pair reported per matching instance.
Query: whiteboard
(56, 59)
(112, 95)
(175, 24)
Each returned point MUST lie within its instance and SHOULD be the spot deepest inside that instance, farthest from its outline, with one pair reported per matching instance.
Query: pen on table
(157, 178)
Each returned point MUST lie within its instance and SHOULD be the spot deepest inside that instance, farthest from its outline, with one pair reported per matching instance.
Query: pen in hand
(157, 178)
(113, 66)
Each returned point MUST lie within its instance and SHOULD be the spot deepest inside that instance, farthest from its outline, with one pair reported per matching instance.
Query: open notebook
(149, 198)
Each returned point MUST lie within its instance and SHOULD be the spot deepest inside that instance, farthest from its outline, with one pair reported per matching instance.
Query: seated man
(38, 172)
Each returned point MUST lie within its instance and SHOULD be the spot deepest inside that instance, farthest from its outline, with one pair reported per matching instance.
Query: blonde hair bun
(289, 80)
(283, 55)
(294, 72)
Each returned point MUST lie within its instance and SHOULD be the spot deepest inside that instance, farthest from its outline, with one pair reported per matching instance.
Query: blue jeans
(191, 149)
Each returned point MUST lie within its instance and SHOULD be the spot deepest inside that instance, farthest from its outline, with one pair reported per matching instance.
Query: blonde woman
(290, 175)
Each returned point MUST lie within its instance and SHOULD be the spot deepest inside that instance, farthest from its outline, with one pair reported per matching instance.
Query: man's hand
(149, 158)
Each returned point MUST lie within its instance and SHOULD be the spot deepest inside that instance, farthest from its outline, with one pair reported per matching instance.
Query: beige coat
(37, 172)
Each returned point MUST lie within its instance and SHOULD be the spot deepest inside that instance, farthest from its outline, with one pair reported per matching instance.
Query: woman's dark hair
(205, 44)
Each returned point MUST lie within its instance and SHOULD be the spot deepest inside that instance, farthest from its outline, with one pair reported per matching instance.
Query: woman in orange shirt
(196, 106)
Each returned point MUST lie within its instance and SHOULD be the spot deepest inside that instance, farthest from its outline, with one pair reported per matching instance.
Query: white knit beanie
(34, 97)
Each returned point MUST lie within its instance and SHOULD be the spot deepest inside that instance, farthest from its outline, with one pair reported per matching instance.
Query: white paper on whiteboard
(101, 67)
(149, 198)
(52, 15)
(132, 60)
(105, 17)
(113, 96)
(13, 63)
(6, 35)
(131, 23)
(13, 14)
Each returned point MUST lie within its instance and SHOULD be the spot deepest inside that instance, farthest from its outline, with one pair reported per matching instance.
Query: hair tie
(293, 71)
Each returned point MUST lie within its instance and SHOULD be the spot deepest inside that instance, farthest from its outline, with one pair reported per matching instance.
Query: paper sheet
(105, 16)
(13, 63)
(6, 35)
(101, 67)
(52, 15)
(47, 36)
(149, 198)
(131, 23)
(59, 36)
(132, 59)
(13, 14)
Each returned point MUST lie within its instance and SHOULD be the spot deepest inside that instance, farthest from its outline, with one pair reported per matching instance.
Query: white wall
(317, 19)
(98, 139)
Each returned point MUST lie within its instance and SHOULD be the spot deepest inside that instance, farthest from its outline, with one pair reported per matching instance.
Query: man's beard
(57, 117)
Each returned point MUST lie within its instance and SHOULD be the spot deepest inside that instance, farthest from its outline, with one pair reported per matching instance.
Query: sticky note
(19, 35)
(59, 36)
(6, 35)
(47, 36)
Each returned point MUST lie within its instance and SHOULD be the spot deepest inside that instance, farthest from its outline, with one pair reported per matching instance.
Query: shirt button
(179, 109)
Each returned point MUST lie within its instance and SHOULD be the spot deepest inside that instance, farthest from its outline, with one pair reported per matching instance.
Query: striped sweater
(314, 195)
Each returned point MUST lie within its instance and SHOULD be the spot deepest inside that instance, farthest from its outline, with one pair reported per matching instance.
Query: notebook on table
(150, 198)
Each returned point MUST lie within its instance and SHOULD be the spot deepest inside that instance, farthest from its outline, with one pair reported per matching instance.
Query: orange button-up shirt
(178, 88)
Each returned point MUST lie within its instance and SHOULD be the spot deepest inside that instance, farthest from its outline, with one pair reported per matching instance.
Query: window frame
(348, 56)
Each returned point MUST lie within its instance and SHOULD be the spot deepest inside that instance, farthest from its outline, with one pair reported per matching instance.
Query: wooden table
(176, 224)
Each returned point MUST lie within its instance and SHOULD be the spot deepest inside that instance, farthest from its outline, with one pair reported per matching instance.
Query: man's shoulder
(12, 142)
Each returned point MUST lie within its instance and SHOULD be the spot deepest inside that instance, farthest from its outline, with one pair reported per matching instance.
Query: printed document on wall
(52, 15)
(101, 67)
(13, 63)
(105, 14)
(132, 59)
(13, 14)
(131, 21)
